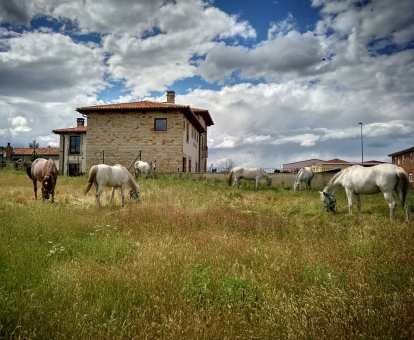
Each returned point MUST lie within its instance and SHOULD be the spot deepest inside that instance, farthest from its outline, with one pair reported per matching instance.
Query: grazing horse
(357, 180)
(255, 174)
(44, 171)
(116, 176)
(304, 175)
(144, 168)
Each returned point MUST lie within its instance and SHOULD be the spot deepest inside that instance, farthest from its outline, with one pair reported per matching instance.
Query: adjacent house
(405, 159)
(26, 154)
(72, 149)
(173, 135)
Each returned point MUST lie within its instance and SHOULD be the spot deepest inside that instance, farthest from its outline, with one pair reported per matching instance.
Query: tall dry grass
(201, 260)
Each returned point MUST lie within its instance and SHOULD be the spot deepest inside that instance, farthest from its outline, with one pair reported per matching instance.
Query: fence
(279, 180)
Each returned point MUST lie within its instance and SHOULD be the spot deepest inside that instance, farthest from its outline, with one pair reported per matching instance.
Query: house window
(160, 124)
(411, 177)
(188, 133)
(74, 145)
(184, 164)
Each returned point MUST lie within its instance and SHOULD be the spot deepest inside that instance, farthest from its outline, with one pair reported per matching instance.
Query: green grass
(201, 260)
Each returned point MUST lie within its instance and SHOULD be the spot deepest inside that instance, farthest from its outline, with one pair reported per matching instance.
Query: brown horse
(44, 171)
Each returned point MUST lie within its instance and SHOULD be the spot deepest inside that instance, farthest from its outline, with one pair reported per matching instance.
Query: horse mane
(331, 182)
(132, 182)
(29, 170)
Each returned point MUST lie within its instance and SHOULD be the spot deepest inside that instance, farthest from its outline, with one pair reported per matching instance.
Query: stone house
(175, 136)
(72, 149)
(405, 159)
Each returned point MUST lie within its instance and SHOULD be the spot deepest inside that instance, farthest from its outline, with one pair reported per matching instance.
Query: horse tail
(29, 171)
(403, 186)
(91, 178)
(231, 177)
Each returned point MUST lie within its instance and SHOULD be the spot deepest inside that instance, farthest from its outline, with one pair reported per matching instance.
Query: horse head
(47, 186)
(134, 195)
(328, 200)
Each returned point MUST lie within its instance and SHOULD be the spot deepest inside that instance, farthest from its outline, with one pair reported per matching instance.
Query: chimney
(80, 122)
(171, 97)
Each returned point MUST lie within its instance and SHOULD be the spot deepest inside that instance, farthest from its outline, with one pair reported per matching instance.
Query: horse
(357, 180)
(304, 175)
(116, 176)
(144, 168)
(256, 174)
(44, 171)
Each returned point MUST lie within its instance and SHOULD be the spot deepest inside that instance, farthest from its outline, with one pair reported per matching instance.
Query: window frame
(155, 124)
(74, 151)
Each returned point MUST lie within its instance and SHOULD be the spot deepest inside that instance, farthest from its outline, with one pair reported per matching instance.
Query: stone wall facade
(118, 138)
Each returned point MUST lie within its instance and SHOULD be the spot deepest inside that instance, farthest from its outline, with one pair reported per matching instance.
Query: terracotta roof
(401, 152)
(146, 105)
(49, 151)
(78, 129)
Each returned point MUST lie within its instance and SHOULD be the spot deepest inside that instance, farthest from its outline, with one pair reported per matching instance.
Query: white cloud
(189, 29)
(281, 28)
(292, 53)
(44, 76)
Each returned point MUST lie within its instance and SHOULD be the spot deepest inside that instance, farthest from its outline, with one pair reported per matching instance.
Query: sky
(284, 80)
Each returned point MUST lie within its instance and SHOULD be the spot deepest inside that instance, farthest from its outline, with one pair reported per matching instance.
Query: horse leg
(391, 203)
(35, 188)
(257, 183)
(122, 196)
(98, 195)
(112, 195)
(53, 195)
(349, 195)
(358, 197)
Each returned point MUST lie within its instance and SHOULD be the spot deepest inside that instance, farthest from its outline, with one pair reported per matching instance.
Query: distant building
(296, 166)
(319, 165)
(26, 154)
(72, 149)
(405, 159)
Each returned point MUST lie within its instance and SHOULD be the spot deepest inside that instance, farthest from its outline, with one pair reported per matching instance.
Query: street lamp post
(362, 145)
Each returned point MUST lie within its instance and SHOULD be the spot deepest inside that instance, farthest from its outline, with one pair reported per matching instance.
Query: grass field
(201, 260)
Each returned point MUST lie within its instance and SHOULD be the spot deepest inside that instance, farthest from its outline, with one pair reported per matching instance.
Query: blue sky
(283, 80)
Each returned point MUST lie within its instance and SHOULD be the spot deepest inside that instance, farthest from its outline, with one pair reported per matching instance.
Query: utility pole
(362, 145)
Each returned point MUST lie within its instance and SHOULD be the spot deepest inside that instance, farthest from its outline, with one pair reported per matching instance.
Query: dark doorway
(74, 169)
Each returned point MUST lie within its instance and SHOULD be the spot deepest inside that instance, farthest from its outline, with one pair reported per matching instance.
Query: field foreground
(201, 260)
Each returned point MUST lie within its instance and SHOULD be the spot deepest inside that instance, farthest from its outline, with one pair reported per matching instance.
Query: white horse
(256, 174)
(304, 175)
(116, 176)
(357, 180)
(144, 168)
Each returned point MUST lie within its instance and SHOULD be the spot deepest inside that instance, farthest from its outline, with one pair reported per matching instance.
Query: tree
(34, 145)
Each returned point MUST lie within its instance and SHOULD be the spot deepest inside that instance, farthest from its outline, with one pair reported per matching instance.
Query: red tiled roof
(147, 105)
(78, 129)
(49, 151)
